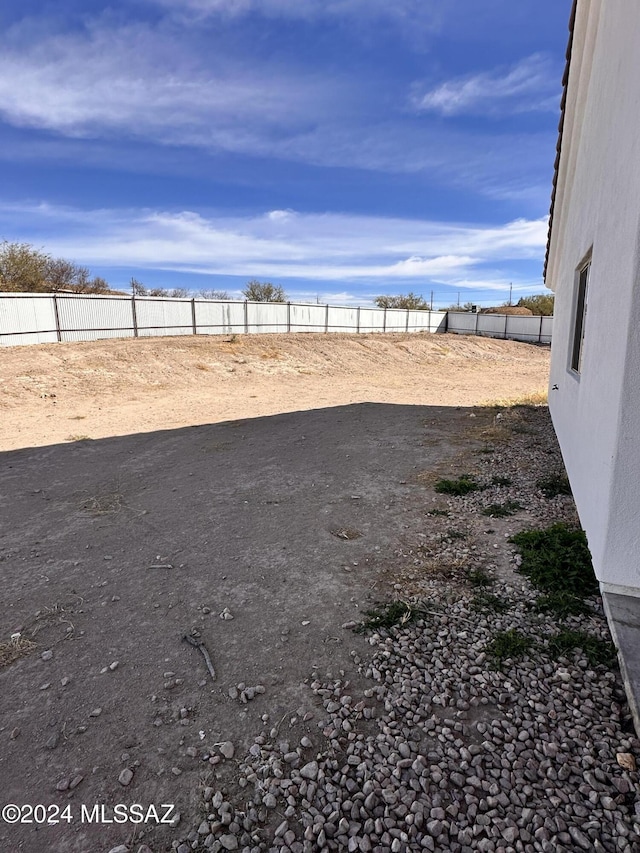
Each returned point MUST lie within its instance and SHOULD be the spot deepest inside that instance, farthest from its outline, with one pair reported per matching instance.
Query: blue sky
(341, 148)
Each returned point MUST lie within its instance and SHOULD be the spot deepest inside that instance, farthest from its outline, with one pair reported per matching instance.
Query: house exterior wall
(597, 210)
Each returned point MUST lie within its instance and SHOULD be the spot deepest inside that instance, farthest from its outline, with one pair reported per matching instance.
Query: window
(579, 316)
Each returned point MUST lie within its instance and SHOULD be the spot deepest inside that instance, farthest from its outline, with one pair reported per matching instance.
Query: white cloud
(530, 85)
(137, 81)
(329, 247)
(414, 13)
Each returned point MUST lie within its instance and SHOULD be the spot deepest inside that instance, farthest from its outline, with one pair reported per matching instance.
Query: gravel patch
(445, 750)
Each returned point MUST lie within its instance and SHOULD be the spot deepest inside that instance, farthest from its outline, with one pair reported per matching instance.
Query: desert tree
(213, 294)
(540, 304)
(23, 269)
(264, 291)
(409, 300)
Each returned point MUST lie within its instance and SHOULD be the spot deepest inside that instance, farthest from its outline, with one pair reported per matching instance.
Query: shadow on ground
(112, 550)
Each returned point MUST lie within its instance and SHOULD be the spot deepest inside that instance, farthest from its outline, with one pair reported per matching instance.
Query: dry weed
(346, 533)
(14, 649)
(535, 398)
(59, 614)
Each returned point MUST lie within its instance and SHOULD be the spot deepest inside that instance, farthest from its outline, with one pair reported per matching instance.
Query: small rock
(121, 848)
(227, 749)
(75, 782)
(96, 712)
(53, 741)
(310, 770)
(229, 842)
(14, 733)
(114, 665)
(47, 655)
(65, 681)
(62, 785)
(226, 614)
(125, 776)
(626, 760)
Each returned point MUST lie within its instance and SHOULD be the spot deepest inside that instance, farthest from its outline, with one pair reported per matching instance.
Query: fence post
(406, 325)
(446, 321)
(477, 316)
(506, 321)
(358, 320)
(288, 316)
(246, 317)
(193, 317)
(134, 315)
(57, 316)
(540, 332)
(326, 318)
(384, 320)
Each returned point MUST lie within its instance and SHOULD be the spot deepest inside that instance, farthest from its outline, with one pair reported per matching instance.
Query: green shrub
(554, 484)
(508, 644)
(557, 560)
(479, 578)
(562, 604)
(597, 651)
(502, 510)
(501, 481)
(389, 614)
(462, 486)
(486, 601)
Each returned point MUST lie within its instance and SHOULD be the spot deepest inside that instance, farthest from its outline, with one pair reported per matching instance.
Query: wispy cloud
(529, 86)
(136, 82)
(140, 82)
(278, 244)
(415, 13)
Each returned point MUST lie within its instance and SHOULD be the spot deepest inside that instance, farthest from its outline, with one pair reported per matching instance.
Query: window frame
(581, 297)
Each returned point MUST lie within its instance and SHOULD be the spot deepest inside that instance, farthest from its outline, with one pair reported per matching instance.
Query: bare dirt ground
(287, 508)
(58, 392)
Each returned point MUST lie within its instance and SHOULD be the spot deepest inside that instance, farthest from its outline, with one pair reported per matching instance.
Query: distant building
(593, 265)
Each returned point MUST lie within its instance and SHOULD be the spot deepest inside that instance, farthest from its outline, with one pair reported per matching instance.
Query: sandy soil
(63, 392)
(222, 474)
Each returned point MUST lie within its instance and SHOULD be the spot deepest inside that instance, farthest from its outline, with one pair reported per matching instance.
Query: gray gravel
(442, 751)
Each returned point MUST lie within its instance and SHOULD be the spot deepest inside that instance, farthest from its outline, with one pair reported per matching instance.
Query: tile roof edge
(563, 104)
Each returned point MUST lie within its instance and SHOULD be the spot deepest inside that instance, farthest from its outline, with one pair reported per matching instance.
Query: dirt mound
(57, 392)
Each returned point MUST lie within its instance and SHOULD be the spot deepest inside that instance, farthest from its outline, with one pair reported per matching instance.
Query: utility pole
(510, 291)
(431, 309)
